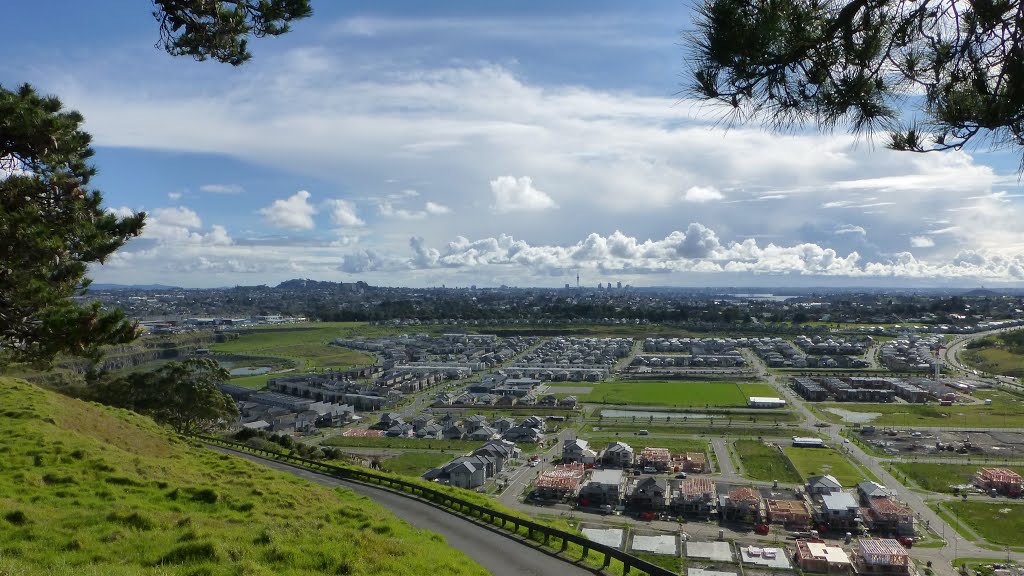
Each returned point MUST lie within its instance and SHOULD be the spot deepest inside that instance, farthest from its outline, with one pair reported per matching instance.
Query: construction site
(987, 443)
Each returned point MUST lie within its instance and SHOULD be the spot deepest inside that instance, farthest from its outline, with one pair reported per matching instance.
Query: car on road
(681, 475)
(534, 463)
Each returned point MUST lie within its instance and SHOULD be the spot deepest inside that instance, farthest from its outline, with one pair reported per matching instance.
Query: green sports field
(682, 393)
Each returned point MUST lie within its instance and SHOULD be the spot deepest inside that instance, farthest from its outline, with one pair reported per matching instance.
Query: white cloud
(513, 194)
(922, 241)
(614, 159)
(180, 216)
(437, 209)
(343, 213)
(850, 229)
(388, 210)
(180, 226)
(294, 212)
(698, 249)
(701, 194)
(222, 188)
(174, 195)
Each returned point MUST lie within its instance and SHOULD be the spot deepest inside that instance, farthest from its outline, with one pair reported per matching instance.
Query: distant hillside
(88, 490)
(132, 287)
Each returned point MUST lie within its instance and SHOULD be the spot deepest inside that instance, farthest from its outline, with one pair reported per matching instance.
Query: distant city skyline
(414, 144)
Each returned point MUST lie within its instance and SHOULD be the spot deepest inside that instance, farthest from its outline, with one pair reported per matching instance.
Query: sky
(491, 143)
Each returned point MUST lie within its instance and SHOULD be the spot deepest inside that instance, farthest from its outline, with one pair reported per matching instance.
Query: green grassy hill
(89, 490)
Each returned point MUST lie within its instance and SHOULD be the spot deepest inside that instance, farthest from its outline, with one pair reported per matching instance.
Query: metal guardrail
(459, 505)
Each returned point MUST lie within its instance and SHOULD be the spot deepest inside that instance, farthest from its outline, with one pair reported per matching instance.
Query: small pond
(249, 371)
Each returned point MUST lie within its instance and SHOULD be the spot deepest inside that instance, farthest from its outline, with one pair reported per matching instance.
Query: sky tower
(577, 280)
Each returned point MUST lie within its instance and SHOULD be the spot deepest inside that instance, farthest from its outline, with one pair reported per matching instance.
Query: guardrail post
(586, 552)
(565, 544)
(607, 559)
(547, 537)
(625, 567)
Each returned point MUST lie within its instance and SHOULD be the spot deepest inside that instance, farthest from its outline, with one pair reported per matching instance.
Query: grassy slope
(89, 490)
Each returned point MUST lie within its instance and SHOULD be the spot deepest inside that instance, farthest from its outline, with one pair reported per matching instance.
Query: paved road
(725, 463)
(498, 554)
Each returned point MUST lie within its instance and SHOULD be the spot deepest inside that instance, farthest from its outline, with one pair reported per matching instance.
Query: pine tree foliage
(957, 64)
(219, 29)
(52, 226)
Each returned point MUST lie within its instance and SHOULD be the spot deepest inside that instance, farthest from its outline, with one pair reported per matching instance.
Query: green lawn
(690, 394)
(415, 463)
(675, 445)
(86, 490)
(720, 428)
(820, 461)
(255, 382)
(306, 344)
(939, 477)
(1008, 414)
(1000, 522)
(761, 462)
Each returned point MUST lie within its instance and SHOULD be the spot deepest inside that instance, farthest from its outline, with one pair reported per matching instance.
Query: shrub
(16, 517)
(132, 520)
(206, 495)
(191, 552)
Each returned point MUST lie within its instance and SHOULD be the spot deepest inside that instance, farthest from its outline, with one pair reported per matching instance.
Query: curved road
(499, 554)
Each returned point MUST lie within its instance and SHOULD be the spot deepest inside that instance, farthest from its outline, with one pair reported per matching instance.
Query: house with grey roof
(840, 511)
(473, 422)
(484, 433)
(649, 493)
(503, 425)
(430, 432)
(870, 489)
(578, 450)
(618, 454)
(454, 433)
(820, 485)
(523, 434)
(466, 475)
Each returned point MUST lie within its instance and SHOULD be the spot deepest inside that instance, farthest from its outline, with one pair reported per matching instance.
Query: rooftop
(652, 454)
(820, 550)
(838, 501)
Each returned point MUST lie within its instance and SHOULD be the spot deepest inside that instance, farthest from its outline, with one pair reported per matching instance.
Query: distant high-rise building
(566, 285)
(600, 286)
(618, 285)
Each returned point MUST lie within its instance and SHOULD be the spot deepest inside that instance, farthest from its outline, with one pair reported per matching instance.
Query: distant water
(772, 297)
(249, 371)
